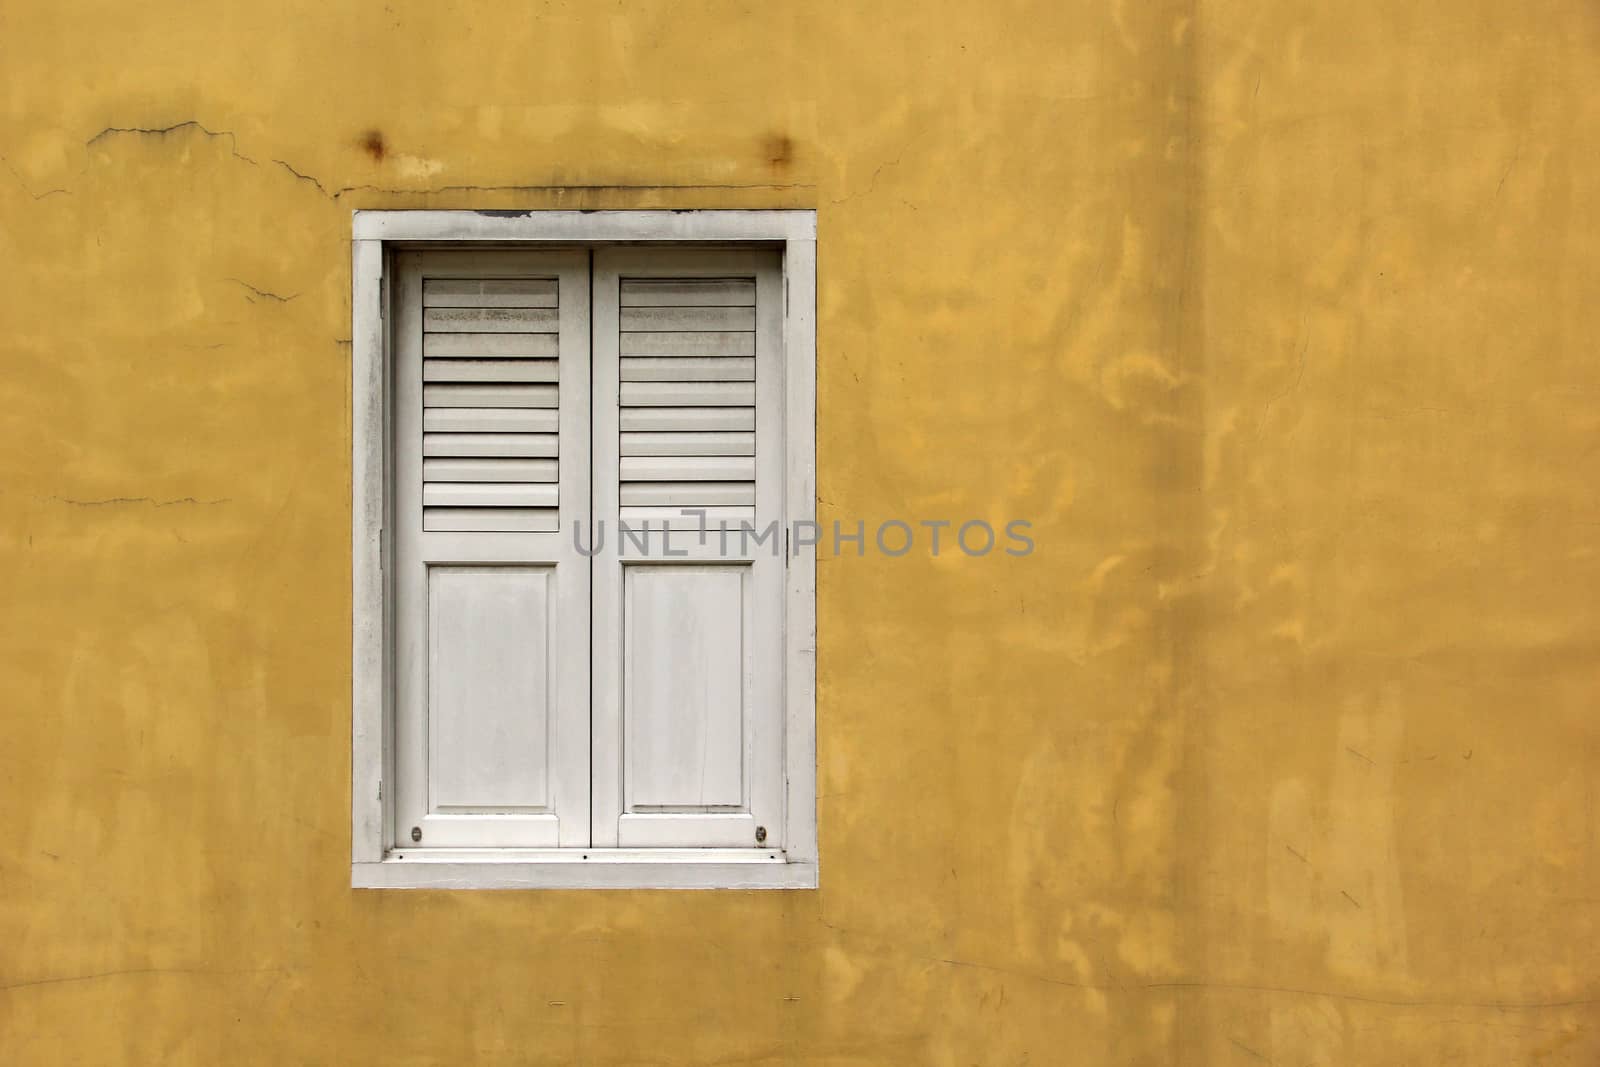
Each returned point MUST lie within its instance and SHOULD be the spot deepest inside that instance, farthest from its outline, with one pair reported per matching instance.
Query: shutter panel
(688, 637)
(491, 447)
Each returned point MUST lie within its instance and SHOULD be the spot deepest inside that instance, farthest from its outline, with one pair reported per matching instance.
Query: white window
(583, 635)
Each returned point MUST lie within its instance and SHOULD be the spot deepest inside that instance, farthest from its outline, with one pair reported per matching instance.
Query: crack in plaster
(114, 500)
(162, 131)
(263, 292)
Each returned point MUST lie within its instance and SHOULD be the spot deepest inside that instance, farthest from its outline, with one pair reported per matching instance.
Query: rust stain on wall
(779, 150)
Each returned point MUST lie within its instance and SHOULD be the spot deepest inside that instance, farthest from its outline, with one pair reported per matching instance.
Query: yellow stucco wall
(1278, 321)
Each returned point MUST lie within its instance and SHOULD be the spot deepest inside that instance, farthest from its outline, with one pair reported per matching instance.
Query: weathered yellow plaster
(1278, 321)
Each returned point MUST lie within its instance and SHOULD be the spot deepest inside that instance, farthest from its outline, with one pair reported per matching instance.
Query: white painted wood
(676, 519)
(489, 444)
(489, 292)
(491, 370)
(688, 369)
(664, 829)
(687, 379)
(606, 647)
(649, 868)
(684, 669)
(489, 320)
(580, 226)
(689, 343)
(593, 857)
(489, 676)
(702, 292)
(800, 591)
(490, 345)
(686, 494)
(489, 470)
(498, 519)
(688, 394)
(485, 495)
(687, 686)
(646, 319)
(489, 396)
(688, 468)
(452, 531)
(766, 723)
(792, 865)
(687, 419)
(713, 443)
(490, 420)
(370, 638)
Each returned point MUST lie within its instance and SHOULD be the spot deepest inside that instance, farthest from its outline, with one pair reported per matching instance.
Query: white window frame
(377, 235)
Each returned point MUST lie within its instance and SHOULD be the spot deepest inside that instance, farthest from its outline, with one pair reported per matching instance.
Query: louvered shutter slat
(686, 494)
(486, 494)
(489, 396)
(490, 345)
(490, 470)
(670, 518)
(491, 370)
(491, 420)
(710, 443)
(688, 394)
(488, 445)
(490, 520)
(669, 319)
(688, 468)
(699, 292)
(688, 419)
(490, 320)
(688, 343)
(688, 369)
(488, 292)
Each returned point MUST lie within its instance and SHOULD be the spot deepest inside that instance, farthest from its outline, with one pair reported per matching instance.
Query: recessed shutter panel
(491, 447)
(688, 631)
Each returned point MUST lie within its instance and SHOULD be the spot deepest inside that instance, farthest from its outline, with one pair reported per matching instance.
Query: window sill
(595, 868)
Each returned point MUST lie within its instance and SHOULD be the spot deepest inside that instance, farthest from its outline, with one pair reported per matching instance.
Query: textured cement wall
(1278, 321)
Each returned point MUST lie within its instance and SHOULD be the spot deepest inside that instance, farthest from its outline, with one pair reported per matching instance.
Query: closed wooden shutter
(688, 416)
(491, 444)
